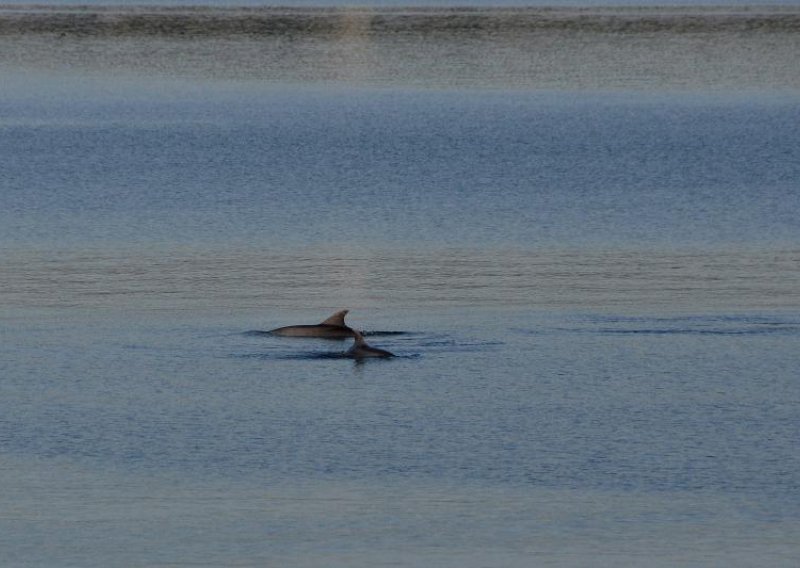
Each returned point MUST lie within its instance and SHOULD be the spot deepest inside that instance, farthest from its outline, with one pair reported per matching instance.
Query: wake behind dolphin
(331, 328)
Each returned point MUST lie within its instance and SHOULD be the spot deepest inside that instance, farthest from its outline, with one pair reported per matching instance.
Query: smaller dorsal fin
(359, 339)
(336, 319)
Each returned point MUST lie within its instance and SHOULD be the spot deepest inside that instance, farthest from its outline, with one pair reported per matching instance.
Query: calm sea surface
(578, 229)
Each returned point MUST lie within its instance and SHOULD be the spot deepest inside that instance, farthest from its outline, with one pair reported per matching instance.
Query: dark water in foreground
(587, 265)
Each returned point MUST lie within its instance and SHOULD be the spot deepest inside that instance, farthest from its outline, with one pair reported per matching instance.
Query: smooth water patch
(498, 436)
(68, 513)
(564, 408)
(370, 169)
(719, 325)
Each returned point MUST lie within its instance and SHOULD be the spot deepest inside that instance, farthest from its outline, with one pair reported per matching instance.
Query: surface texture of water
(577, 229)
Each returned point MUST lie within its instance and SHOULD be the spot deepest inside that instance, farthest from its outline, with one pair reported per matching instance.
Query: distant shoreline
(206, 20)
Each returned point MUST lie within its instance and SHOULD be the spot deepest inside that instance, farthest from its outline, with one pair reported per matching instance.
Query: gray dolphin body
(360, 349)
(332, 328)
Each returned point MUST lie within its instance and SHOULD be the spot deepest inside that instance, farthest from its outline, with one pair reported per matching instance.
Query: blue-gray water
(578, 230)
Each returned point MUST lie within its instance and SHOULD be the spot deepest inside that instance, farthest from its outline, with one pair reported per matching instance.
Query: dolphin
(360, 349)
(331, 328)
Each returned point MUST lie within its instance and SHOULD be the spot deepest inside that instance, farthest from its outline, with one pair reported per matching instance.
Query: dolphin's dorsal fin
(359, 339)
(336, 319)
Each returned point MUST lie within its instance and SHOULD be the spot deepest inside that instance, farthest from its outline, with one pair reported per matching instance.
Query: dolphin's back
(332, 331)
(361, 349)
(333, 327)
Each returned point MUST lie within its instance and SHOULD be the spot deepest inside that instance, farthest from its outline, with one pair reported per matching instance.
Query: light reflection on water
(653, 281)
